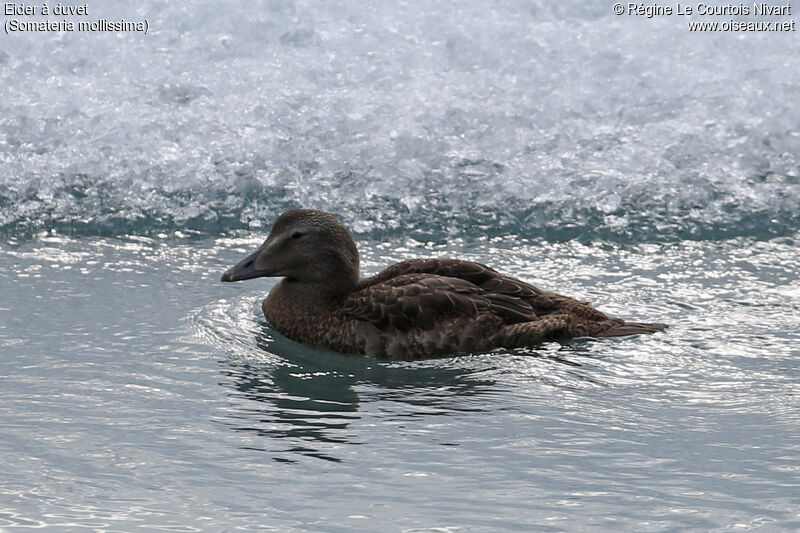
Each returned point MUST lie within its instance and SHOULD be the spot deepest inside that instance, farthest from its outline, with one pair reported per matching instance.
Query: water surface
(140, 392)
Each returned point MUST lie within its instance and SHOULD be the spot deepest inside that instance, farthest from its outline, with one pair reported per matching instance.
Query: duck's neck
(297, 308)
(332, 289)
(304, 297)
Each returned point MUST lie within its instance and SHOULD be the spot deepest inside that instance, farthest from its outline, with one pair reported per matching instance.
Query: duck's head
(306, 246)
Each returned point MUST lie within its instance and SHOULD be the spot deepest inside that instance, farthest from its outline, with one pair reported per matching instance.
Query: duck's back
(427, 307)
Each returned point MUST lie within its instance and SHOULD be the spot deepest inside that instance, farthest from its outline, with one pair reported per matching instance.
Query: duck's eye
(297, 234)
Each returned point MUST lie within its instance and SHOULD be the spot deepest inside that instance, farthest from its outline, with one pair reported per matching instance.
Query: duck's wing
(419, 300)
(482, 276)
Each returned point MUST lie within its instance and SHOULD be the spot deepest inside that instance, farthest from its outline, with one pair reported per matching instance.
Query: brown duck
(417, 308)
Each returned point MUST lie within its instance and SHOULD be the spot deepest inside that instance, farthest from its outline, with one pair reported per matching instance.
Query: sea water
(620, 159)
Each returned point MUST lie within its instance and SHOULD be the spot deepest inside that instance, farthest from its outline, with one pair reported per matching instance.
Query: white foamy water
(555, 119)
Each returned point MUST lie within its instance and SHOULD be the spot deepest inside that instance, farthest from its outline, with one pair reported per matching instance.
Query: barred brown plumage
(414, 309)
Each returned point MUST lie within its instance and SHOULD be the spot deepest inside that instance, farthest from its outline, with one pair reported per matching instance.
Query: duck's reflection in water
(311, 397)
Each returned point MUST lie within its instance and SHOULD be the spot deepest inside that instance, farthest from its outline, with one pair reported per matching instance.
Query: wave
(530, 118)
(468, 204)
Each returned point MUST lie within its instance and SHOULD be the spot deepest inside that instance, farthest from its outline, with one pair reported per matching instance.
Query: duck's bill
(245, 269)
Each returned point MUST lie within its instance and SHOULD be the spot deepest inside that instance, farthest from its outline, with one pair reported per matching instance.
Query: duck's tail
(563, 326)
(633, 328)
